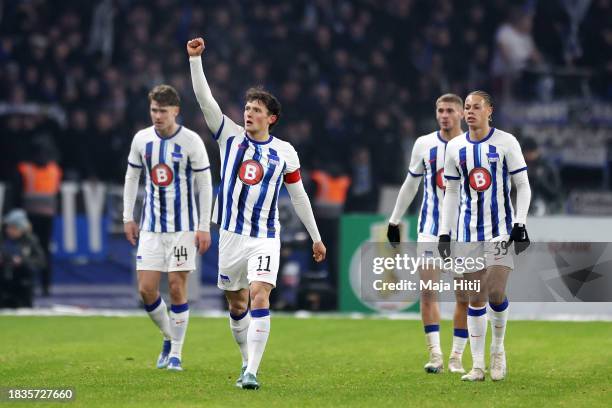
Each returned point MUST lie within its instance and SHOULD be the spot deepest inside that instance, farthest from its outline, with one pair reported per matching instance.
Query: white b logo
(251, 172)
(161, 175)
(480, 178)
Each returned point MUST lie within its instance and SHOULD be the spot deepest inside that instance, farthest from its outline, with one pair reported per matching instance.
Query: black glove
(444, 246)
(519, 237)
(393, 234)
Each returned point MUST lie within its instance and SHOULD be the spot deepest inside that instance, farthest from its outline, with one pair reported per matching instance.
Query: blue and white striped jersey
(484, 168)
(251, 177)
(427, 161)
(169, 163)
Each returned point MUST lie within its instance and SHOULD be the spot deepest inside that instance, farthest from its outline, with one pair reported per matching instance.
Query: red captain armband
(293, 177)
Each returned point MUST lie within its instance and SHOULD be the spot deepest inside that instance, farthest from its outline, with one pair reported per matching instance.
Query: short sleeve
(198, 156)
(227, 129)
(292, 160)
(134, 158)
(514, 157)
(451, 171)
(417, 167)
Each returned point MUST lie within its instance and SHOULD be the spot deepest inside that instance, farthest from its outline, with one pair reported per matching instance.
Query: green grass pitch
(308, 363)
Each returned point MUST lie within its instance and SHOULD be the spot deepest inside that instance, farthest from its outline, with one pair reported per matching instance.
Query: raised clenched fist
(195, 47)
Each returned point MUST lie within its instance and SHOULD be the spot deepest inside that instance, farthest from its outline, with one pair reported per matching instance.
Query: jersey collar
(467, 136)
(168, 137)
(257, 141)
(441, 138)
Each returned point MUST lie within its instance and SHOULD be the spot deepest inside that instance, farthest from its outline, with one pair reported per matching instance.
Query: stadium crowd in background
(357, 79)
(349, 74)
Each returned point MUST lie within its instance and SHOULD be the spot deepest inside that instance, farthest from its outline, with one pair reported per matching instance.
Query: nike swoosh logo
(474, 336)
(180, 264)
(261, 331)
(499, 327)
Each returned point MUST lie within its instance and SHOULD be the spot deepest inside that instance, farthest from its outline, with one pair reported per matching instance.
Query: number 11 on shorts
(263, 260)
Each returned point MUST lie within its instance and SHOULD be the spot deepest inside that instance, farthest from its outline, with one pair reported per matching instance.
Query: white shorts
(497, 253)
(166, 251)
(244, 259)
(427, 246)
(484, 254)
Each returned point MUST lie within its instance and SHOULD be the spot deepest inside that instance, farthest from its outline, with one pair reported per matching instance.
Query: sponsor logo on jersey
(251, 172)
(162, 175)
(480, 179)
(440, 179)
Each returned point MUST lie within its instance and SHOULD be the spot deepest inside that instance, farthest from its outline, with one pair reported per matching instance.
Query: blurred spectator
(515, 49)
(101, 35)
(544, 179)
(363, 194)
(21, 258)
(332, 185)
(109, 141)
(39, 181)
(74, 146)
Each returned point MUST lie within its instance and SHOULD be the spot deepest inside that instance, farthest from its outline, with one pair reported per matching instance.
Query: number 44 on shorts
(180, 252)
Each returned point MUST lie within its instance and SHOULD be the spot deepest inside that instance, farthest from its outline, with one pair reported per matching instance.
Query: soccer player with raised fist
(254, 163)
